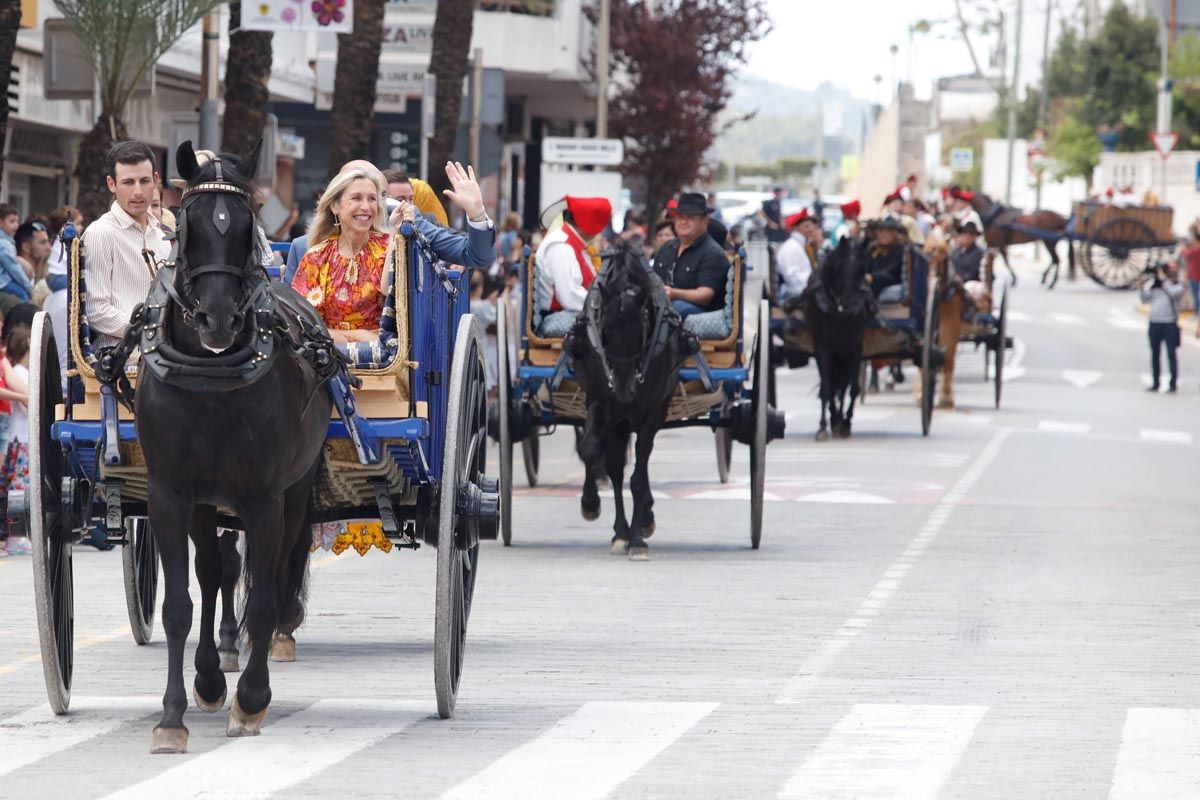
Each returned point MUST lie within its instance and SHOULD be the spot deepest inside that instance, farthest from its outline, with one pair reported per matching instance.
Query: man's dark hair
(16, 344)
(25, 233)
(7, 210)
(129, 153)
(395, 176)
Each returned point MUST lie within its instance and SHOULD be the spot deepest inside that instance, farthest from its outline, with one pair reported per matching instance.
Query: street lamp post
(895, 85)
(603, 35)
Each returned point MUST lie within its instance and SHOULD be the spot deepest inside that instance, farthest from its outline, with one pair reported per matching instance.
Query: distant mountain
(786, 122)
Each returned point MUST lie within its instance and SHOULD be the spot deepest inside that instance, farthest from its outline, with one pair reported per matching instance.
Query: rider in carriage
(567, 261)
(797, 257)
(962, 210)
(849, 224)
(693, 266)
(966, 257)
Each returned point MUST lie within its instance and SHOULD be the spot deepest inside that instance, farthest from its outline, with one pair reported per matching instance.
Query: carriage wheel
(531, 453)
(53, 576)
(724, 453)
(504, 397)
(1001, 344)
(139, 563)
(758, 449)
(928, 371)
(1118, 251)
(462, 463)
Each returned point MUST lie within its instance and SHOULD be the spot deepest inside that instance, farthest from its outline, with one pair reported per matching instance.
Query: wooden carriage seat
(724, 324)
(384, 366)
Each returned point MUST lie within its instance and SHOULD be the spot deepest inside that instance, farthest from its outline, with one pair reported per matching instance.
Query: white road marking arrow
(1081, 378)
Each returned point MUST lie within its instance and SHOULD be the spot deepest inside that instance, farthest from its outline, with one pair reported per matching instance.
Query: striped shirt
(118, 277)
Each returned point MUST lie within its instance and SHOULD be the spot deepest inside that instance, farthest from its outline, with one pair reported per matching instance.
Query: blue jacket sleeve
(299, 245)
(475, 250)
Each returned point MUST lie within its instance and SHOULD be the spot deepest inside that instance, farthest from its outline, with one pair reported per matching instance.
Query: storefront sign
(594, 152)
(328, 16)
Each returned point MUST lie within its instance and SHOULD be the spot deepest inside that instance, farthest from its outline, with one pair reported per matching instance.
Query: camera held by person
(1161, 291)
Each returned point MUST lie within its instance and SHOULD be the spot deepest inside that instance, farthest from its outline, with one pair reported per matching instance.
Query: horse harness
(271, 324)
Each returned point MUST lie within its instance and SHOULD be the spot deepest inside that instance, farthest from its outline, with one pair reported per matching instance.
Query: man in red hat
(849, 224)
(796, 257)
(963, 211)
(566, 265)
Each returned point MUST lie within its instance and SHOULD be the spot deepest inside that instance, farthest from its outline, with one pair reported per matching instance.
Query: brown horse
(1004, 226)
(953, 305)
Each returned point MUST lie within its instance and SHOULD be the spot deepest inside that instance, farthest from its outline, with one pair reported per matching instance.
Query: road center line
(876, 601)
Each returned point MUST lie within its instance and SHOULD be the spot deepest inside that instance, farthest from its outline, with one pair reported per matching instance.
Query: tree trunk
(247, 70)
(451, 46)
(354, 85)
(91, 165)
(10, 23)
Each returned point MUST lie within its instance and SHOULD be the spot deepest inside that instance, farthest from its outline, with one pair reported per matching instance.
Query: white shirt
(56, 307)
(118, 277)
(793, 266)
(18, 427)
(559, 273)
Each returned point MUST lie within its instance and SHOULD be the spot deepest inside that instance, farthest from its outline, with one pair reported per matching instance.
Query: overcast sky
(846, 42)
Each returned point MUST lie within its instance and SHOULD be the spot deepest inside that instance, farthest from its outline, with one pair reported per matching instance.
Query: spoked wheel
(504, 397)
(758, 449)
(1001, 344)
(1118, 252)
(53, 576)
(462, 468)
(928, 371)
(139, 562)
(724, 453)
(531, 452)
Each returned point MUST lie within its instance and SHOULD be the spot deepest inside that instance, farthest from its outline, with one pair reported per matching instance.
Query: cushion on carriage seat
(556, 324)
(714, 324)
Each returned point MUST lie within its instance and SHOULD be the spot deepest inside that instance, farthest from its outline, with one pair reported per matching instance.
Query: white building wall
(1144, 172)
(1056, 195)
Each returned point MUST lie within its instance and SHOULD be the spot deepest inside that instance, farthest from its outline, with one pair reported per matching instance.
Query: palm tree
(247, 70)
(451, 47)
(10, 23)
(354, 85)
(125, 39)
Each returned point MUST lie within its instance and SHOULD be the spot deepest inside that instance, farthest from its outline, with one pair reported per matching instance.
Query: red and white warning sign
(1164, 142)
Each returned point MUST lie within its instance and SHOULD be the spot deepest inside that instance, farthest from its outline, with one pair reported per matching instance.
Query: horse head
(937, 253)
(626, 295)
(218, 256)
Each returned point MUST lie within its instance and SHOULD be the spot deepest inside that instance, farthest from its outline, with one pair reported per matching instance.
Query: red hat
(796, 219)
(945, 192)
(591, 214)
(962, 194)
(672, 204)
(852, 209)
(891, 198)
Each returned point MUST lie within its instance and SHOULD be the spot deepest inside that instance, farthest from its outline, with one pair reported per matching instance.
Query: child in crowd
(15, 368)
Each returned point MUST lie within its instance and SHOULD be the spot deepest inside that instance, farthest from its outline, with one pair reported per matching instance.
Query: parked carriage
(1117, 243)
(421, 414)
(723, 389)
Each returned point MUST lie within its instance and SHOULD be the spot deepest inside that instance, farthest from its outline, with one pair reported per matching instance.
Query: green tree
(1121, 65)
(125, 39)
(1074, 147)
(1185, 72)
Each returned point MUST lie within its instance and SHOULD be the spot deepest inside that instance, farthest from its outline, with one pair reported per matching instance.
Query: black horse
(227, 443)
(627, 347)
(837, 306)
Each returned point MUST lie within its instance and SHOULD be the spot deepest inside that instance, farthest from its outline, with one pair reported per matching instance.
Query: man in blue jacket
(475, 250)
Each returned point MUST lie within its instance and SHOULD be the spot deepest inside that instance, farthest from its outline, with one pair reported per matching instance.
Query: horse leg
(170, 513)
(1050, 275)
(587, 445)
(231, 572)
(209, 689)
(950, 324)
(1012, 276)
(291, 599)
(856, 390)
(639, 487)
(265, 551)
(614, 465)
(823, 369)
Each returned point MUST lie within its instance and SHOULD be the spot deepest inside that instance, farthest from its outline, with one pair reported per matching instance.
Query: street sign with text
(591, 152)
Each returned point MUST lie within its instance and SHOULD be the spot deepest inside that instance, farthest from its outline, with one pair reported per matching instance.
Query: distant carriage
(1117, 243)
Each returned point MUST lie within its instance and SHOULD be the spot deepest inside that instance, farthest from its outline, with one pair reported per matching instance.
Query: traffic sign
(596, 152)
(1164, 143)
(962, 159)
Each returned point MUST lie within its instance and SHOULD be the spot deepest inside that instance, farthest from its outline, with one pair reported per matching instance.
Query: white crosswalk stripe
(586, 755)
(41, 734)
(1159, 755)
(1171, 437)
(1057, 426)
(288, 752)
(887, 751)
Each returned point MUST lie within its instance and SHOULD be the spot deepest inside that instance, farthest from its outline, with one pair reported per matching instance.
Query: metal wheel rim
(758, 451)
(504, 397)
(139, 563)
(53, 574)
(464, 458)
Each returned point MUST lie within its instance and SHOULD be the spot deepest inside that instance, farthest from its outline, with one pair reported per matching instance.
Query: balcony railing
(536, 8)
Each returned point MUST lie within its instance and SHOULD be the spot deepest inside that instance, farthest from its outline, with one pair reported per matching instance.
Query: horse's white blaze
(585, 755)
(41, 734)
(288, 751)
(1159, 755)
(887, 751)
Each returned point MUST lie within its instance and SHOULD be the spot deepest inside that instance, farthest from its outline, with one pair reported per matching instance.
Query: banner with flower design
(332, 16)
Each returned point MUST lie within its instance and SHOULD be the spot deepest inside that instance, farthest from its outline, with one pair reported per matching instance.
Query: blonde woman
(341, 274)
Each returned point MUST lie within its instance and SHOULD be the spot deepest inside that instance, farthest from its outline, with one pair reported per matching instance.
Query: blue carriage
(404, 460)
(722, 388)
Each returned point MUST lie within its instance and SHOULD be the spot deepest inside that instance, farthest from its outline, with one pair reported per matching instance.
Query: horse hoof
(946, 402)
(229, 661)
(283, 648)
(168, 741)
(648, 531)
(211, 708)
(620, 547)
(242, 724)
(639, 552)
(822, 435)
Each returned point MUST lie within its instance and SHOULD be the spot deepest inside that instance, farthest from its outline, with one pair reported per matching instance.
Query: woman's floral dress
(347, 293)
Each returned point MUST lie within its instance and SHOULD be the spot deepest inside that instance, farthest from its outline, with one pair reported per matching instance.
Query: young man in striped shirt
(125, 245)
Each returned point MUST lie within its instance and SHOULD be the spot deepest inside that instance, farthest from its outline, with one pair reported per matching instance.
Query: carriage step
(114, 522)
(387, 512)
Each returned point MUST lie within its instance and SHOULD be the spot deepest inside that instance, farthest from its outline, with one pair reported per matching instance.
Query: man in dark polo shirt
(693, 266)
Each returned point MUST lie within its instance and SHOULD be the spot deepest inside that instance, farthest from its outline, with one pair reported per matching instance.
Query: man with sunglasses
(125, 245)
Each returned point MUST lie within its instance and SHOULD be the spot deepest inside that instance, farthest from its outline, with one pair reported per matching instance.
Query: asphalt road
(1004, 609)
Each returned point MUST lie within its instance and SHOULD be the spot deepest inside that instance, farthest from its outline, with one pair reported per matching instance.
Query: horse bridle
(221, 220)
(594, 312)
